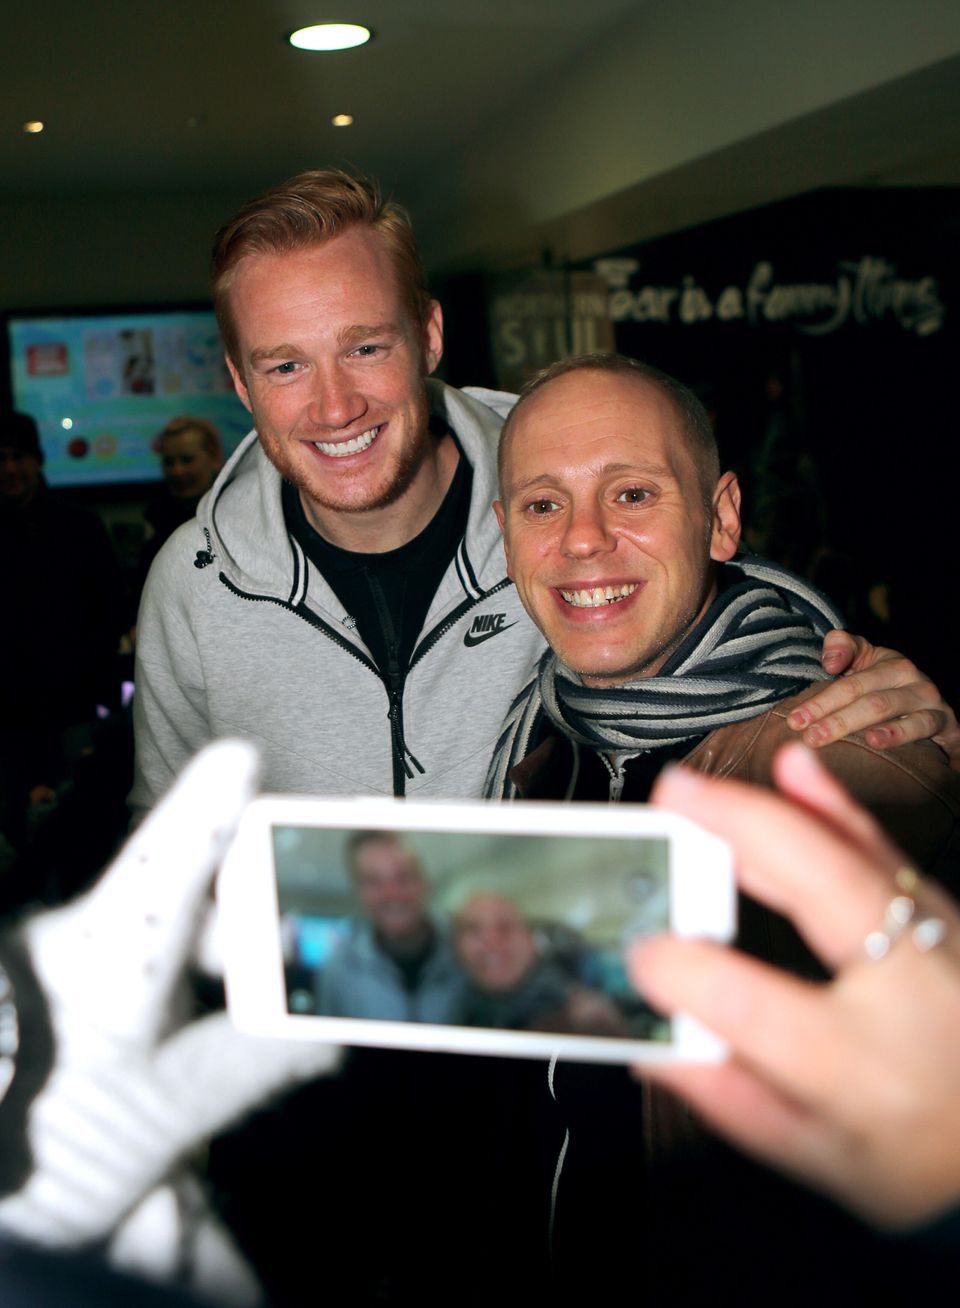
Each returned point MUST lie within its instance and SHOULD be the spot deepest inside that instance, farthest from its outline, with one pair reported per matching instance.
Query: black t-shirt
(388, 595)
(410, 966)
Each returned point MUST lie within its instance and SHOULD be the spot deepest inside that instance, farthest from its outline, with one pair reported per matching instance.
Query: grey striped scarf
(758, 643)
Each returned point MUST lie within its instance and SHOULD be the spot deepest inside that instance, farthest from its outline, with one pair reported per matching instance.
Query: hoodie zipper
(394, 680)
(618, 778)
(301, 611)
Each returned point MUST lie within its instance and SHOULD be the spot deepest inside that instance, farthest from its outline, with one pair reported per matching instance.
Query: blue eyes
(290, 366)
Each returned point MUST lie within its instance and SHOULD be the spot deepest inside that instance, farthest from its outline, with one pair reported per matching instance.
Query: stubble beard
(394, 486)
(396, 481)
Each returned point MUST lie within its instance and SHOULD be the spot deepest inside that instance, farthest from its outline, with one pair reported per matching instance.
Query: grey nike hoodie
(239, 635)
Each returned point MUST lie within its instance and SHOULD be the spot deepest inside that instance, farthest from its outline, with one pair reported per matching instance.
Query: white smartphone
(467, 927)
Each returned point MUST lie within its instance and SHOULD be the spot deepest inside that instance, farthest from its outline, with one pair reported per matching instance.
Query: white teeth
(591, 599)
(339, 449)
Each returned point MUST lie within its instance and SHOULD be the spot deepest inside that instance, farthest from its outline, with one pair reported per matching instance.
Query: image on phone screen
(518, 932)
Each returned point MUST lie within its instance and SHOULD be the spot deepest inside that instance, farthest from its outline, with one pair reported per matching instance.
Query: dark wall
(823, 333)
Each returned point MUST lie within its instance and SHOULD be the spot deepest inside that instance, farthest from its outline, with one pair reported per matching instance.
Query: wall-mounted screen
(101, 386)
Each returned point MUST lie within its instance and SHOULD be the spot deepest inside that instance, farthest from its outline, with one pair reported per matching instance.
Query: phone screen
(514, 932)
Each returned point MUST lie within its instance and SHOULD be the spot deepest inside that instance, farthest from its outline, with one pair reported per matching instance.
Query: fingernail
(831, 658)
(799, 717)
(817, 735)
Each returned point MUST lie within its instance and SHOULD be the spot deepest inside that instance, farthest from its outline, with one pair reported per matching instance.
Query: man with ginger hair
(345, 579)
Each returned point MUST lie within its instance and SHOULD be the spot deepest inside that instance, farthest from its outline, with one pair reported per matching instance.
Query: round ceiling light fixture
(342, 120)
(32, 126)
(330, 36)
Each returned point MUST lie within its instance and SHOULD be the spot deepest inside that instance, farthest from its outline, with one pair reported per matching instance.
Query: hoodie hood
(243, 511)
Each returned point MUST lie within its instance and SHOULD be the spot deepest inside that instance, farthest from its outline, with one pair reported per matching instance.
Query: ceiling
(187, 93)
(506, 125)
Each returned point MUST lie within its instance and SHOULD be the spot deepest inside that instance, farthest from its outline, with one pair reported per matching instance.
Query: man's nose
(587, 532)
(336, 401)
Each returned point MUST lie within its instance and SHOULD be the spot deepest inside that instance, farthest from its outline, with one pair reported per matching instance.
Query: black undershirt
(388, 595)
(410, 966)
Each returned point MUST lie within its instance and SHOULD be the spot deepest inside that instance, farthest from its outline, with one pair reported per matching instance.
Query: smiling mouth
(340, 449)
(599, 595)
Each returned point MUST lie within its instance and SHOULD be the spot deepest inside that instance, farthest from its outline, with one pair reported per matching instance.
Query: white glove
(126, 1099)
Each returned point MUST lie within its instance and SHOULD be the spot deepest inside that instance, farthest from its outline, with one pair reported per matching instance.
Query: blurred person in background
(191, 455)
(63, 615)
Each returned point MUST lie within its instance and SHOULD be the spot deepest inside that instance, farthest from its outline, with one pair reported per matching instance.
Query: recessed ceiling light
(32, 126)
(330, 36)
(342, 120)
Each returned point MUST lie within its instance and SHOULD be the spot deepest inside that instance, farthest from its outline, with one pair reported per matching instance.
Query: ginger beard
(353, 491)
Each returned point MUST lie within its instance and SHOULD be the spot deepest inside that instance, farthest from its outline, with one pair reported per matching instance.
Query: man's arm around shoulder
(911, 789)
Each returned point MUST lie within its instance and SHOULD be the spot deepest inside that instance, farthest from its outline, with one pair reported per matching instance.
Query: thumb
(840, 649)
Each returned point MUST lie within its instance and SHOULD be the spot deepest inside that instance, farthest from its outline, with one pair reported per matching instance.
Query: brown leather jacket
(911, 790)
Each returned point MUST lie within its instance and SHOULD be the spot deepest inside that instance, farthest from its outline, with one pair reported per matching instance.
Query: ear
(502, 519)
(725, 522)
(238, 383)
(432, 339)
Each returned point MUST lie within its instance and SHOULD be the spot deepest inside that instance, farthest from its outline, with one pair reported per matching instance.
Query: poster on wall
(538, 317)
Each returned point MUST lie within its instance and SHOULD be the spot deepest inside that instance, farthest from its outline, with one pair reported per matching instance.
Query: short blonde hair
(211, 437)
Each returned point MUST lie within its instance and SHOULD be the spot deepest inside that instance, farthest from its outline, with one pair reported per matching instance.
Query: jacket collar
(243, 512)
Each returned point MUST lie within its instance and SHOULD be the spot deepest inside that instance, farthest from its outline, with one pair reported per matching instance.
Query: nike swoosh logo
(470, 639)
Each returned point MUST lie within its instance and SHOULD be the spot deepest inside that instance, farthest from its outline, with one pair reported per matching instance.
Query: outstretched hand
(851, 1086)
(131, 1092)
(879, 692)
